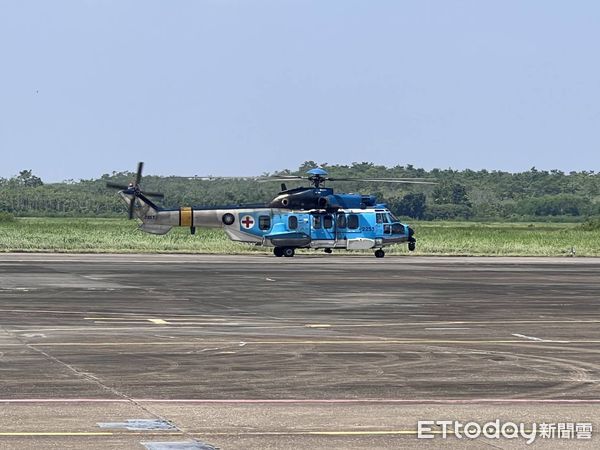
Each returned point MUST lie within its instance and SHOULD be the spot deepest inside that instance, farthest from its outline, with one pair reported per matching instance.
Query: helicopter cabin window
(327, 221)
(264, 222)
(382, 218)
(317, 222)
(292, 222)
(393, 218)
(341, 221)
(352, 221)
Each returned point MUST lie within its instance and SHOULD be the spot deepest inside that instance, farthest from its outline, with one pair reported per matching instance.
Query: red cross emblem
(248, 222)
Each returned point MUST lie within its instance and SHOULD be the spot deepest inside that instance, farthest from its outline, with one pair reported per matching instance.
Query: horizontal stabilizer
(155, 229)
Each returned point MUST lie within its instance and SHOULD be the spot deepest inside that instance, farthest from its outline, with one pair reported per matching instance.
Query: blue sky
(228, 87)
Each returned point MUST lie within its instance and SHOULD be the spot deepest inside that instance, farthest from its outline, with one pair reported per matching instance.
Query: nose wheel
(284, 251)
(379, 253)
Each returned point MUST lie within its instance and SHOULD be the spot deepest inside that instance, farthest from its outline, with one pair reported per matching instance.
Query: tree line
(458, 194)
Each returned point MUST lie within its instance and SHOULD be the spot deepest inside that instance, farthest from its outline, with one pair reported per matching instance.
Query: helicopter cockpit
(391, 224)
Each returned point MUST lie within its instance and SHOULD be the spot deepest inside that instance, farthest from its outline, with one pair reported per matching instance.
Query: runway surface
(305, 352)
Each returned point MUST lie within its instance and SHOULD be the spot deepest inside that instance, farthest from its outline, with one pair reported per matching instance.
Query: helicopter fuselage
(360, 228)
(303, 217)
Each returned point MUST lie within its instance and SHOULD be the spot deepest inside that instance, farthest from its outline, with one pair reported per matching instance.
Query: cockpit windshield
(382, 218)
(393, 218)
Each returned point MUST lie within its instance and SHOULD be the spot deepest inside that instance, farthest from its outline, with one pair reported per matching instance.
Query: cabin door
(323, 227)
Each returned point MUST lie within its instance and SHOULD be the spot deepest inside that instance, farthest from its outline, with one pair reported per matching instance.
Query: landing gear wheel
(328, 250)
(278, 251)
(379, 253)
(412, 246)
(288, 252)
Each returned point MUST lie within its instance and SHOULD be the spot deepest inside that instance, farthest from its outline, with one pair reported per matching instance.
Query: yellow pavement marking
(184, 324)
(158, 321)
(89, 433)
(318, 433)
(56, 433)
(222, 433)
(191, 317)
(304, 342)
(368, 433)
(294, 323)
(360, 433)
(370, 324)
(462, 322)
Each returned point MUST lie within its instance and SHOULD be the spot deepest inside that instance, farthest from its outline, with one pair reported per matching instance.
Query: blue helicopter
(303, 217)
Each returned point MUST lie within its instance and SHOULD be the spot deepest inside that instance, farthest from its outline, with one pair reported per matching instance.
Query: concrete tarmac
(132, 351)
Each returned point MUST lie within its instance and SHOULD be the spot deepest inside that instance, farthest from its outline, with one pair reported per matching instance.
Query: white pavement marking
(446, 329)
(158, 321)
(416, 401)
(536, 339)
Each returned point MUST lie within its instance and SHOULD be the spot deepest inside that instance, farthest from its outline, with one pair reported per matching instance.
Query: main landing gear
(284, 251)
(379, 253)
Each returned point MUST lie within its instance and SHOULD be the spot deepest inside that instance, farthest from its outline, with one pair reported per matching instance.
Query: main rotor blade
(266, 179)
(211, 178)
(281, 178)
(138, 175)
(116, 186)
(131, 205)
(260, 179)
(153, 194)
(387, 180)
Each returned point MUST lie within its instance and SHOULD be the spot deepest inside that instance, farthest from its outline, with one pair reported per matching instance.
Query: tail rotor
(134, 189)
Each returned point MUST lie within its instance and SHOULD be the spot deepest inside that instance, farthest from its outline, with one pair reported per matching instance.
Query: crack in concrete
(93, 379)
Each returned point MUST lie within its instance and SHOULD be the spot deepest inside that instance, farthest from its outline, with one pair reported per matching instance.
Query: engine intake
(329, 202)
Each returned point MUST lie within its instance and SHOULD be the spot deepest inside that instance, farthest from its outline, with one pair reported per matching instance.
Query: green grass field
(433, 238)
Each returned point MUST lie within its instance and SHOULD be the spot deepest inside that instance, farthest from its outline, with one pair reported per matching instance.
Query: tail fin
(146, 211)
